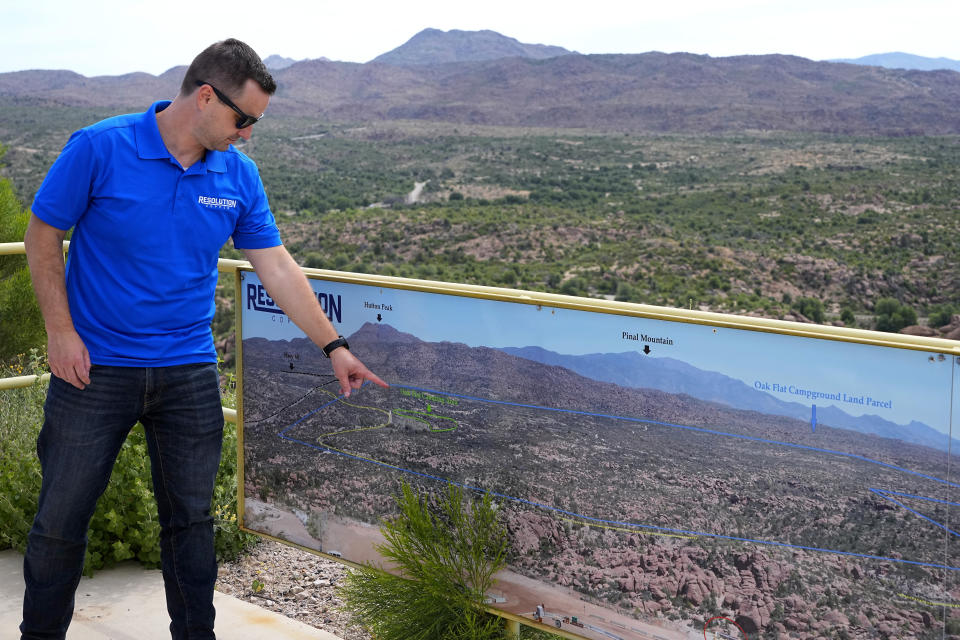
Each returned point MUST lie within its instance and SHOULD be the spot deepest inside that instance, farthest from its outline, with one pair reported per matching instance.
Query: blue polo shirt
(142, 267)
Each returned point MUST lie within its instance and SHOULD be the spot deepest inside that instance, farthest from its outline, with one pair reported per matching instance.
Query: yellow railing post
(17, 248)
(11, 249)
(17, 382)
(512, 628)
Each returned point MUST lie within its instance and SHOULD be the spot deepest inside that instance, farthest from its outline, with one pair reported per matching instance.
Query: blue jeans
(82, 432)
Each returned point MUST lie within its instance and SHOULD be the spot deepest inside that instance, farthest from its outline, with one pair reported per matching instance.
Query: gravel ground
(291, 582)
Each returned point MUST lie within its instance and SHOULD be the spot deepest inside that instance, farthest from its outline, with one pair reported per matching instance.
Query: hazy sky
(110, 37)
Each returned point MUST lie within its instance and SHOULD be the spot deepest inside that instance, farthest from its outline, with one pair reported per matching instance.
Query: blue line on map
(813, 419)
(910, 495)
(772, 543)
(884, 494)
(320, 408)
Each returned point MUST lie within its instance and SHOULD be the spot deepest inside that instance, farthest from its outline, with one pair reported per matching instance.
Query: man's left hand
(351, 372)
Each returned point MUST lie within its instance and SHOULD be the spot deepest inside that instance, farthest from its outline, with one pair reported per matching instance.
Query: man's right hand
(68, 357)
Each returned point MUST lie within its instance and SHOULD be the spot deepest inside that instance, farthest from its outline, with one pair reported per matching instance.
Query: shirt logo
(217, 203)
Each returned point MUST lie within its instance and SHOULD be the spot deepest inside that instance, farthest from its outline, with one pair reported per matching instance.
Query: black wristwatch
(336, 344)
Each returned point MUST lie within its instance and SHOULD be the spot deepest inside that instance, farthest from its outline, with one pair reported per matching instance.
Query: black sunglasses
(244, 120)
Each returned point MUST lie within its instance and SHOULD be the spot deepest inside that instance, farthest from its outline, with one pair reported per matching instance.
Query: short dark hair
(228, 65)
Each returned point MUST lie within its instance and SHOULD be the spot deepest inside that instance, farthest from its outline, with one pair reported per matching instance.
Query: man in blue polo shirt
(151, 198)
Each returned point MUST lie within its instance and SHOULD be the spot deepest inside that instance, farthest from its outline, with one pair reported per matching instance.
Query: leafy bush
(574, 287)
(847, 317)
(447, 550)
(941, 315)
(21, 326)
(811, 308)
(21, 414)
(893, 316)
(124, 525)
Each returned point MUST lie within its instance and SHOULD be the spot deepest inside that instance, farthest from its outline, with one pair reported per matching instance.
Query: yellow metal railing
(16, 248)
(16, 382)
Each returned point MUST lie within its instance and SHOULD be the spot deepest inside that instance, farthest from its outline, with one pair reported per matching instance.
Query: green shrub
(941, 315)
(124, 525)
(447, 550)
(21, 414)
(811, 308)
(624, 292)
(21, 325)
(574, 287)
(847, 317)
(893, 316)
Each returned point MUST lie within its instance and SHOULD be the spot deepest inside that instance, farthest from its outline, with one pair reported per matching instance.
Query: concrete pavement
(126, 602)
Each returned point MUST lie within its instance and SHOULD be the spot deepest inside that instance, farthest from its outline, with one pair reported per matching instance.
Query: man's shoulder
(239, 164)
(114, 125)
(235, 156)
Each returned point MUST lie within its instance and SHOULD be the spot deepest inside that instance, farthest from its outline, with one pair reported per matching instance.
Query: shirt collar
(150, 145)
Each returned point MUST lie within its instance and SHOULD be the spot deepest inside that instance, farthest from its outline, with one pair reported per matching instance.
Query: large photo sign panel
(658, 479)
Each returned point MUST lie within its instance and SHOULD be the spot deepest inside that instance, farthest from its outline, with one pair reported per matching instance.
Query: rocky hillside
(433, 46)
(653, 92)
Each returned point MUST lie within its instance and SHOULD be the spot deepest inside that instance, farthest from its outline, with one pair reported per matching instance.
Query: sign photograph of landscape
(658, 479)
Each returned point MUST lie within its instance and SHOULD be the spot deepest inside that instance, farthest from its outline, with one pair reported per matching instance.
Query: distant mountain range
(898, 60)
(450, 77)
(632, 369)
(275, 63)
(433, 46)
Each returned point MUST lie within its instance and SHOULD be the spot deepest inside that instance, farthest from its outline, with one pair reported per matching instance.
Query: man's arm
(289, 288)
(66, 352)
